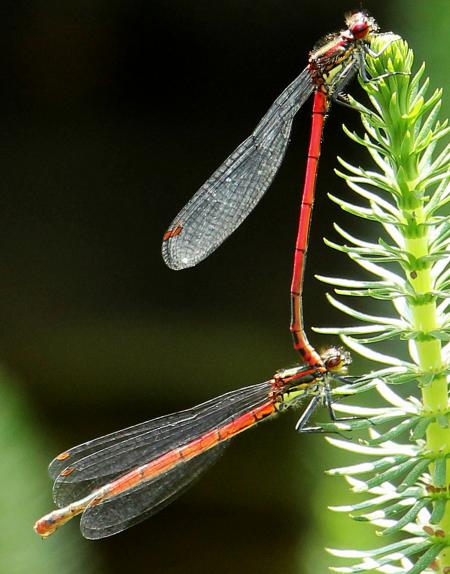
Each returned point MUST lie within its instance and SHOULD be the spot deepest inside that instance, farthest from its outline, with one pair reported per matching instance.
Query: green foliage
(406, 481)
(25, 496)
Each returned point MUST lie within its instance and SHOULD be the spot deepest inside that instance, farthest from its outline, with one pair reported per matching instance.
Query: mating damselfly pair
(120, 479)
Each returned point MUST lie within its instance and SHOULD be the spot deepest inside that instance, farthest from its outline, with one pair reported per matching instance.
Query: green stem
(434, 395)
(405, 138)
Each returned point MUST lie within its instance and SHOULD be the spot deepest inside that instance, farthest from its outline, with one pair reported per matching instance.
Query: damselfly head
(336, 359)
(361, 25)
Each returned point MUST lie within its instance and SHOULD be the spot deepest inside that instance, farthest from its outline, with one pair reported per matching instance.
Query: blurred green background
(112, 114)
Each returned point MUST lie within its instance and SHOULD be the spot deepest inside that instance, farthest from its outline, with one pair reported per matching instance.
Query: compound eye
(334, 363)
(360, 28)
(336, 359)
(360, 25)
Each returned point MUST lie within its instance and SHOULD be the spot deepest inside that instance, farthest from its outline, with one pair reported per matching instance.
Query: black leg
(326, 398)
(307, 413)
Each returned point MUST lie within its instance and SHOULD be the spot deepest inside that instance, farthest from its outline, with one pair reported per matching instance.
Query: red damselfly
(120, 479)
(233, 190)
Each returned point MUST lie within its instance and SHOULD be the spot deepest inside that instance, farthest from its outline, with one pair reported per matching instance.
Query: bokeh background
(112, 114)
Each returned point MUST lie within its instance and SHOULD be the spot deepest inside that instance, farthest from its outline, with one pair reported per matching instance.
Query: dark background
(112, 114)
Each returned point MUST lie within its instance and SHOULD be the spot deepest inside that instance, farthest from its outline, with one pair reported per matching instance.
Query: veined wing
(233, 190)
(84, 468)
(121, 512)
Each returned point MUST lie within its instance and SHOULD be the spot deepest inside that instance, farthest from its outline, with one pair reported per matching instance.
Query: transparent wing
(228, 196)
(117, 514)
(86, 467)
